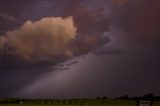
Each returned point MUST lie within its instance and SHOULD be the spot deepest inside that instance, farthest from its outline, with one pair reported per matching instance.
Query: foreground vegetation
(74, 102)
(150, 99)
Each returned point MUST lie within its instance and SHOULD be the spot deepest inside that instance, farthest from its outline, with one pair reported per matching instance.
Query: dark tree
(125, 96)
(97, 97)
(70, 101)
(105, 97)
(149, 96)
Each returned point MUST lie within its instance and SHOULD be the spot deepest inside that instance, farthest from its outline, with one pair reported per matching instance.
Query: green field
(62, 105)
(37, 105)
(79, 102)
(46, 105)
(70, 105)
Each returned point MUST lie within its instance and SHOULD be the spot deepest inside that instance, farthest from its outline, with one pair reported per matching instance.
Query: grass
(66, 105)
(87, 102)
(61, 105)
(70, 105)
(25, 105)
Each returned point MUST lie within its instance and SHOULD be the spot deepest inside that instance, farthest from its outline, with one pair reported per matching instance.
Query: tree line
(149, 97)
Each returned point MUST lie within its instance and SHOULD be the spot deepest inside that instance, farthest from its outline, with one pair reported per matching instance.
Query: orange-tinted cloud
(42, 40)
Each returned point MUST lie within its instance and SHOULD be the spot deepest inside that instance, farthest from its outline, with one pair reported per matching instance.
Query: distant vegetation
(99, 101)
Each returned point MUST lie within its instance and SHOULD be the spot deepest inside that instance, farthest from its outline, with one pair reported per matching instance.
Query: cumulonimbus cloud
(42, 40)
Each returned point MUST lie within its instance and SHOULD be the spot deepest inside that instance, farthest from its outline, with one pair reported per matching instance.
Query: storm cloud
(115, 44)
(140, 19)
(130, 61)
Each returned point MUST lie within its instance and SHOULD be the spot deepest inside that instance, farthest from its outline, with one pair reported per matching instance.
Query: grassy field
(44, 105)
(61, 105)
(67, 105)
(79, 102)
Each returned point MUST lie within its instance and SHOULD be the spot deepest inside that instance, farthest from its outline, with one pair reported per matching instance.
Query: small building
(20, 102)
(145, 103)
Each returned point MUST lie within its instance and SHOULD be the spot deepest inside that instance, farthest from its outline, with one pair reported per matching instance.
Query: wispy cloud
(7, 17)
